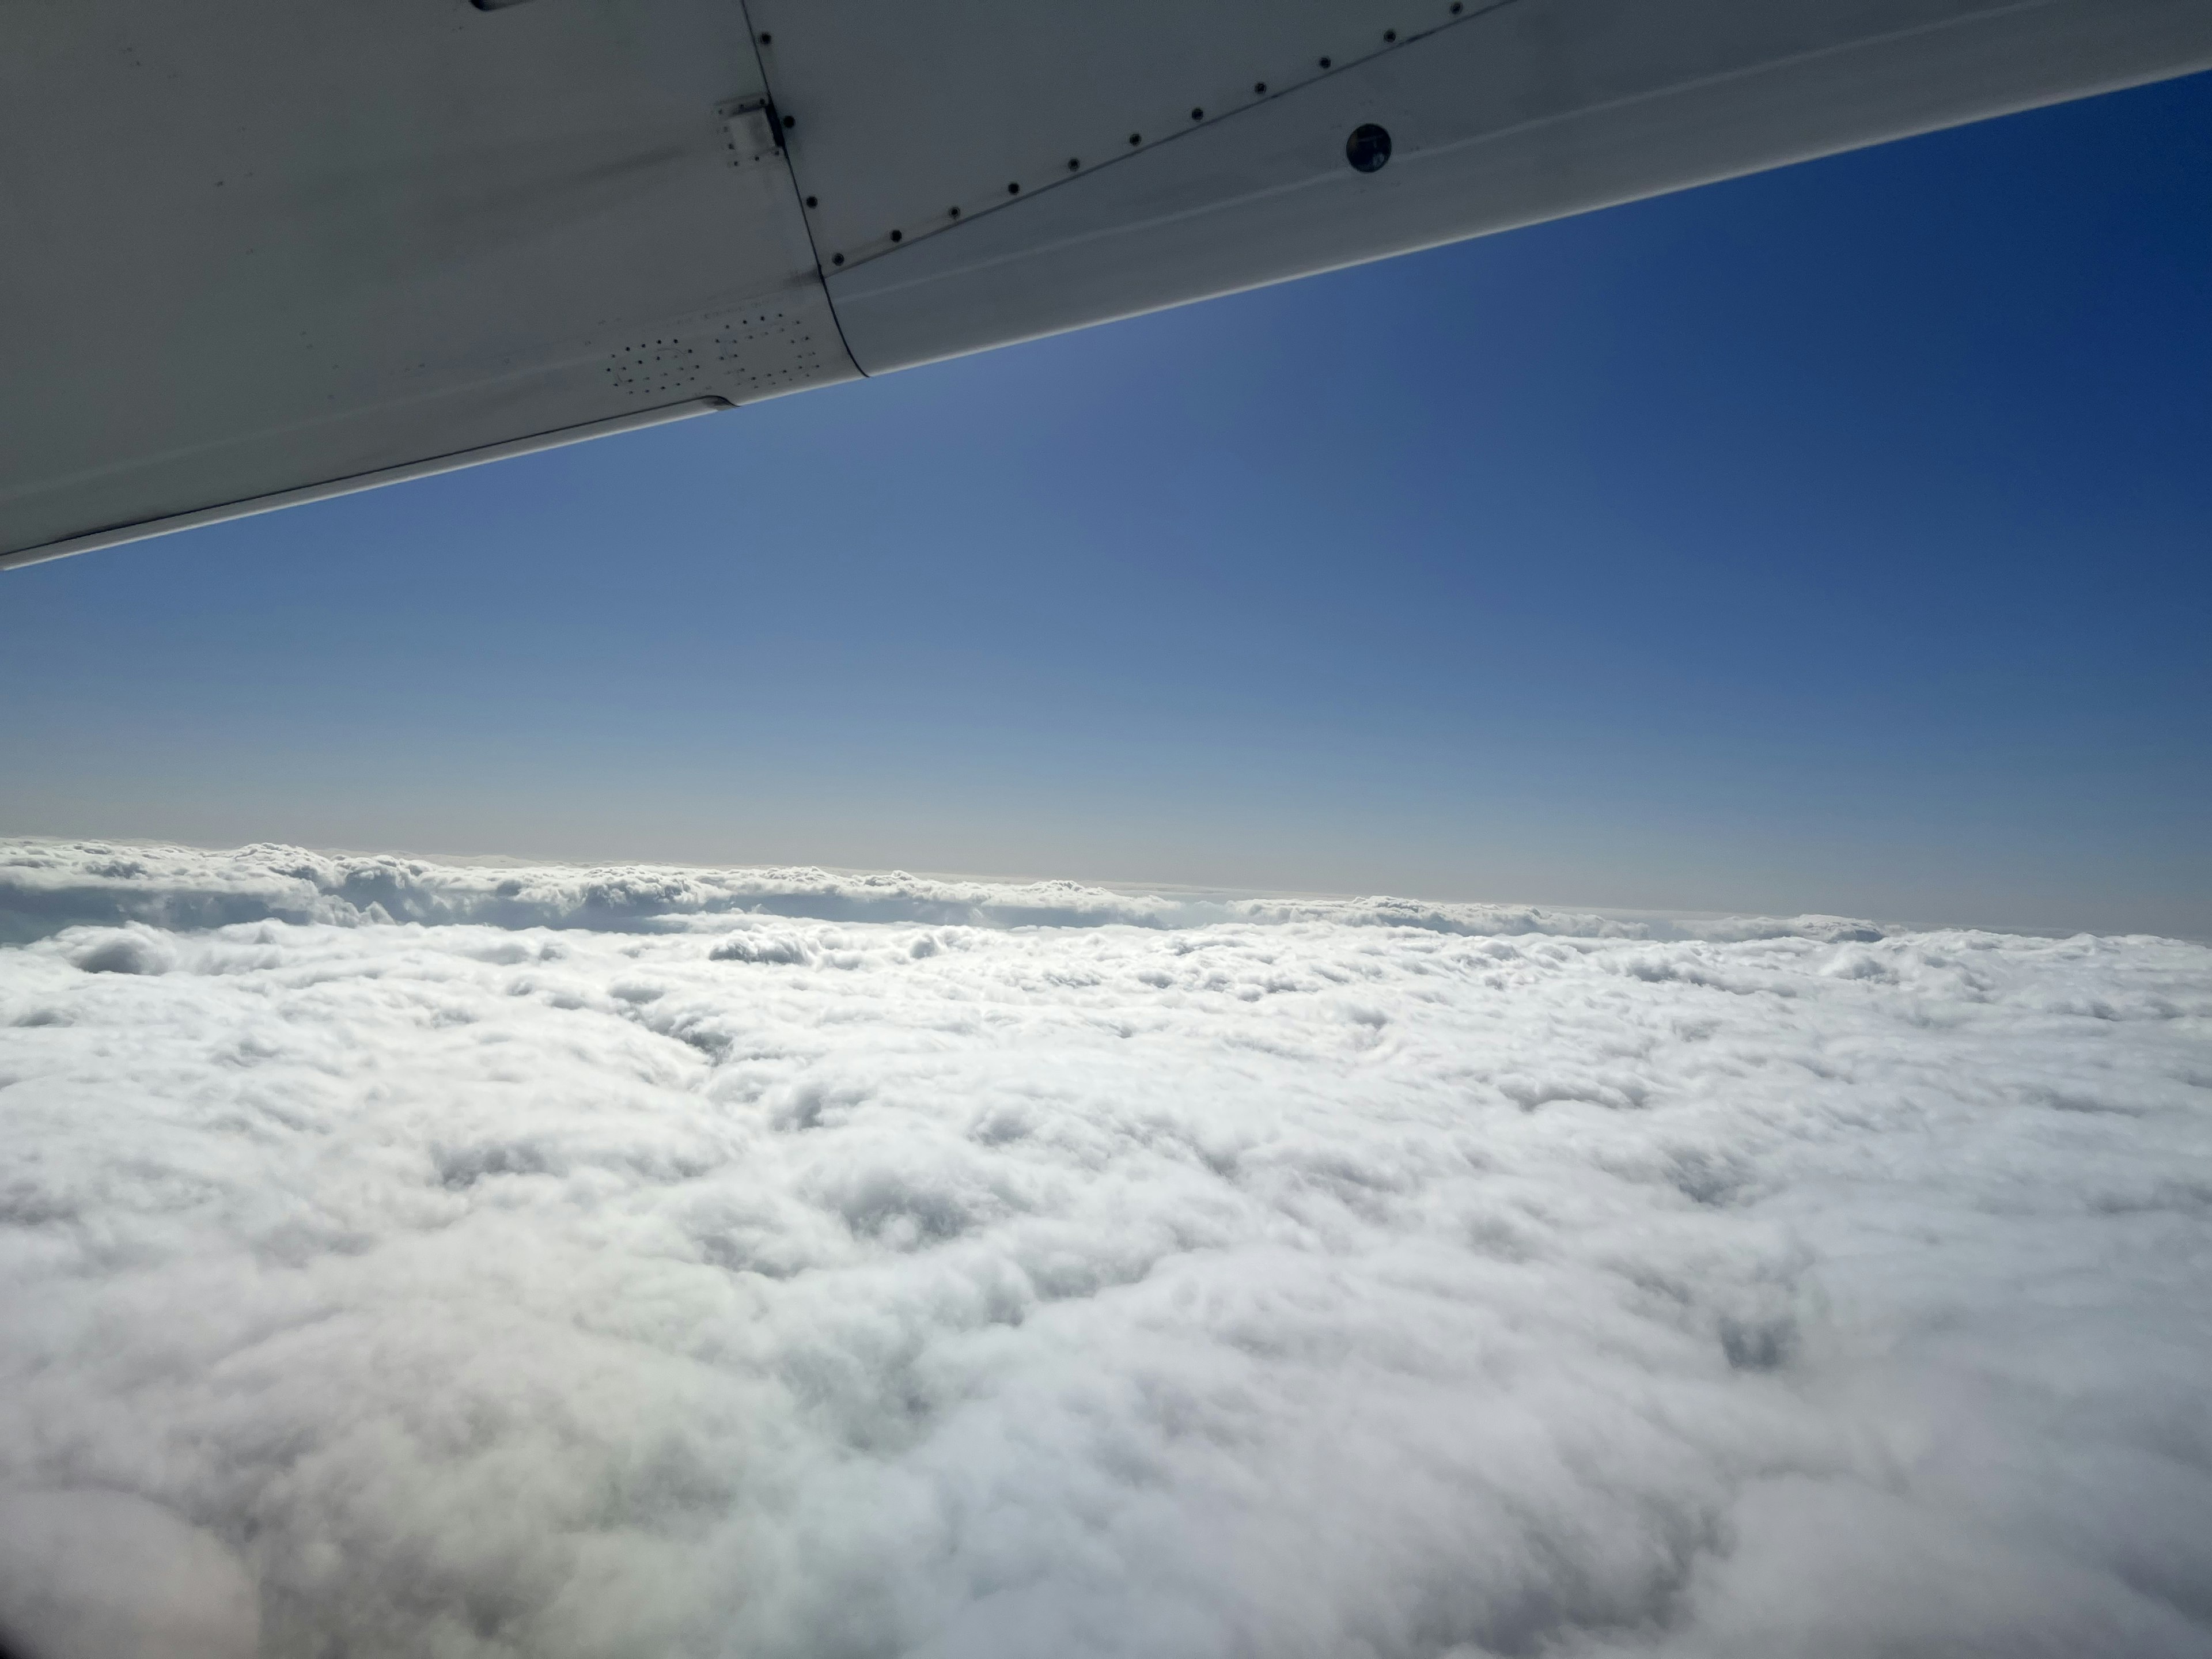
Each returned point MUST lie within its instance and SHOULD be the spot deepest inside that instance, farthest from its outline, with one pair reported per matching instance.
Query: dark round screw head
(1197, 115)
(791, 120)
(1389, 35)
(1136, 137)
(899, 236)
(765, 37)
(1454, 8)
(813, 201)
(955, 213)
(1324, 63)
(836, 258)
(1368, 148)
(1013, 190)
(1259, 86)
(1073, 163)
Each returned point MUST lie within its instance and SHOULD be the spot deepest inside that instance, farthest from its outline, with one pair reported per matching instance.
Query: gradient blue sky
(1833, 540)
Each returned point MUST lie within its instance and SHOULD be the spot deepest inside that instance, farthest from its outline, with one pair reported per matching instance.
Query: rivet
(836, 258)
(1259, 86)
(791, 120)
(1072, 164)
(765, 37)
(1197, 115)
(1013, 190)
(1136, 137)
(1324, 63)
(899, 236)
(1454, 8)
(813, 201)
(1389, 35)
(955, 213)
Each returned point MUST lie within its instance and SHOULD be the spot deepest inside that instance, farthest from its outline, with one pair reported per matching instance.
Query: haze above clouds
(414, 1258)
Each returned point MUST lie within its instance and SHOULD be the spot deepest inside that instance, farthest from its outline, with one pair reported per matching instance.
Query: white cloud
(402, 1258)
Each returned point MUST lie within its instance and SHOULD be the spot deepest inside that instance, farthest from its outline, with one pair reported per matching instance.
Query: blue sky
(1833, 540)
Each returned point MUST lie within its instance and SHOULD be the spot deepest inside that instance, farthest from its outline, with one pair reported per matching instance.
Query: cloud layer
(412, 1259)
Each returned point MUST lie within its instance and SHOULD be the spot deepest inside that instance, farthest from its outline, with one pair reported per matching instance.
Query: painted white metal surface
(914, 118)
(259, 247)
(268, 250)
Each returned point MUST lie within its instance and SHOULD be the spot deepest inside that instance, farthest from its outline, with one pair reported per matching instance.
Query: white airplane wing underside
(268, 250)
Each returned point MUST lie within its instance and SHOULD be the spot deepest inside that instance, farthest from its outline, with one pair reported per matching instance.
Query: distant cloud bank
(47, 885)
(463, 1260)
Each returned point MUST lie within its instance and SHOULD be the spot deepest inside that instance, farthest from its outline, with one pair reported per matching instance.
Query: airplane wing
(265, 251)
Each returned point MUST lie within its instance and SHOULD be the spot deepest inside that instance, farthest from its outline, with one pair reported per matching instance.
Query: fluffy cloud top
(409, 1259)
